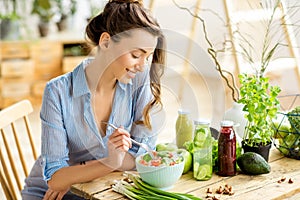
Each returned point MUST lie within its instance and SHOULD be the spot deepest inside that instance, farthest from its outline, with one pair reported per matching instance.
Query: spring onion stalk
(142, 186)
(126, 189)
(143, 191)
(133, 192)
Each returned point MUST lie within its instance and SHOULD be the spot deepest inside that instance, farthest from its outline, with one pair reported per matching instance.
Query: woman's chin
(125, 80)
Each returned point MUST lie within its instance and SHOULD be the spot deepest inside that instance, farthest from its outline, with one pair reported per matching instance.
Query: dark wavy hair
(120, 16)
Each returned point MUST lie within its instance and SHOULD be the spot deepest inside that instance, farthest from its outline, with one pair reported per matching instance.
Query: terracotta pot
(43, 29)
(62, 24)
(260, 149)
(9, 29)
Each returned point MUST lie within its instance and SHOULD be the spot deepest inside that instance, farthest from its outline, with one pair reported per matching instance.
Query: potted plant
(44, 9)
(259, 98)
(9, 25)
(95, 8)
(64, 9)
(261, 105)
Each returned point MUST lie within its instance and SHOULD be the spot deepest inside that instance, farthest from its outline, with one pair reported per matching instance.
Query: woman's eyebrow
(144, 51)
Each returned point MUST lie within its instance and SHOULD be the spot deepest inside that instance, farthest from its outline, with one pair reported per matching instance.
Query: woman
(120, 85)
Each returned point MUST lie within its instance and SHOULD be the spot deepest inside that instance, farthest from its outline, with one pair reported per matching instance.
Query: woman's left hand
(55, 195)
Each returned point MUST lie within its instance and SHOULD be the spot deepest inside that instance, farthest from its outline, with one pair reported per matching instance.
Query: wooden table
(245, 187)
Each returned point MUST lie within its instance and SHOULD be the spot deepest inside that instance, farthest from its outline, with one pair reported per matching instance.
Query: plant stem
(232, 86)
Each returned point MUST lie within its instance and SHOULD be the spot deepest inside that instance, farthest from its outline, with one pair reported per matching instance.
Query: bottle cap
(227, 123)
(183, 112)
(202, 122)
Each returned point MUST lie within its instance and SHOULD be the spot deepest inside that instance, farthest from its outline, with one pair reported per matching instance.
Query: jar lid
(227, 123)
(183, 112)
(202, 122)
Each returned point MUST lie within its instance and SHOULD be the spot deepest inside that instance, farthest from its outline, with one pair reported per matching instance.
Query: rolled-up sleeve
(54, 138)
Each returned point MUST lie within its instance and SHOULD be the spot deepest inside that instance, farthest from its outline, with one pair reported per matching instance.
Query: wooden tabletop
(245, 187)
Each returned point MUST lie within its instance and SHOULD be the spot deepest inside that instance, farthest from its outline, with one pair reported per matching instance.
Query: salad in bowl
(162, 171)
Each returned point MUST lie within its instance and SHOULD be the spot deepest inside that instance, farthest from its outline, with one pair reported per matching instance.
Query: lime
(203, 171)
(202, 136)
(195, 167)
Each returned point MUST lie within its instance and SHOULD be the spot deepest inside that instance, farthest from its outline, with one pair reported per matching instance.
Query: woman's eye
(135, 55)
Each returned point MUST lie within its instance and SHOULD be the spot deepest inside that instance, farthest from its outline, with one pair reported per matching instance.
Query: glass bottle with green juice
(184, 128)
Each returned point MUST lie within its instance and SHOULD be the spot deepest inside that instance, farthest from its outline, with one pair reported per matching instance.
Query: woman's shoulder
(63, 79)
(66, 78)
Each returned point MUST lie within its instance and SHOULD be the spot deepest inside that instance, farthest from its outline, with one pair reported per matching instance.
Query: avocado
(253, 164)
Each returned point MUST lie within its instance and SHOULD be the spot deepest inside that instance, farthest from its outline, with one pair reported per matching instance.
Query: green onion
(143, 191)
(127, 190)
(143, 186)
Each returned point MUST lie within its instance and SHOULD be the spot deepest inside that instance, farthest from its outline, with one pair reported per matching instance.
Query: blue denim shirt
(69, 129)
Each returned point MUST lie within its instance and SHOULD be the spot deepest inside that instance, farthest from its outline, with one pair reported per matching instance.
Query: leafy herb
(261, 106)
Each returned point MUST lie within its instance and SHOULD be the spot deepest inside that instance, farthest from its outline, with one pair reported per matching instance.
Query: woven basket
(287, 131)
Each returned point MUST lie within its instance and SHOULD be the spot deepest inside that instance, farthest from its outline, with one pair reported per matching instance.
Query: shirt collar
(80, 83)
(79, 80)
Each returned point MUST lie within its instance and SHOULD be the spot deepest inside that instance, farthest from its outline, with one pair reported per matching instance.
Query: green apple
(166, 147)
(282, 129)
(188, 159)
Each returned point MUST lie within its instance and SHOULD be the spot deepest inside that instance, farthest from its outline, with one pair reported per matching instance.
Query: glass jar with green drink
(202, 157)
(184, 128)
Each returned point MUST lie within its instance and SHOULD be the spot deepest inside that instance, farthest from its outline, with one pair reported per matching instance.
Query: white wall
(178, 22)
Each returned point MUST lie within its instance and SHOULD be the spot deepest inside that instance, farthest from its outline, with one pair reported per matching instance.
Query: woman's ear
(104, 40)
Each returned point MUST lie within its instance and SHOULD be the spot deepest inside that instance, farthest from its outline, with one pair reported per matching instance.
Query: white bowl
(162, 177)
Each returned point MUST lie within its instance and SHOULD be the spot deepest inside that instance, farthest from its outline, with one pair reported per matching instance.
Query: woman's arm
(64, 178)
(118, 159)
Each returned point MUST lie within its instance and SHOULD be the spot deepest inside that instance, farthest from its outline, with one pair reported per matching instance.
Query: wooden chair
(17, 147)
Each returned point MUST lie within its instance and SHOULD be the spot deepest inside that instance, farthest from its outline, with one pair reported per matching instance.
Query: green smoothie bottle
(184, 128)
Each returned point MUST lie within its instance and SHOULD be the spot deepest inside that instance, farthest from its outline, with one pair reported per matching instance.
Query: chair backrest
(17, 147)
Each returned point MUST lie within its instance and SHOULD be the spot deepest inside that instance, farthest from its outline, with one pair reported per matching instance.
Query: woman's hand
(118, 144)
(54, 195)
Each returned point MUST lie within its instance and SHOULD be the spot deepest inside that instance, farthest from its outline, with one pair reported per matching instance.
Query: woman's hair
(117, 18)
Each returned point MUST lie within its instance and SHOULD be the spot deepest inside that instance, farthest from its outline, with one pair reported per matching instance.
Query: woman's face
(132, 54)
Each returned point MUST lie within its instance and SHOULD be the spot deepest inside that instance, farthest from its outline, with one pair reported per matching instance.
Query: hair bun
(128, 1)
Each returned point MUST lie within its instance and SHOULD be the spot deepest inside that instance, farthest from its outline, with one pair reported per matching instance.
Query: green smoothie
(184, 128)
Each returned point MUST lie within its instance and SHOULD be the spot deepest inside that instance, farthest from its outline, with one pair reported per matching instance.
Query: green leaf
(261, 106)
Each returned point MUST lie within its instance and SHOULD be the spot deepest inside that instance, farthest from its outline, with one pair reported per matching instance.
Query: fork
(143, 145)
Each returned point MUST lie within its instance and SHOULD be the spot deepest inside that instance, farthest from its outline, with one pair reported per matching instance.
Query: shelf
(26, 66)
